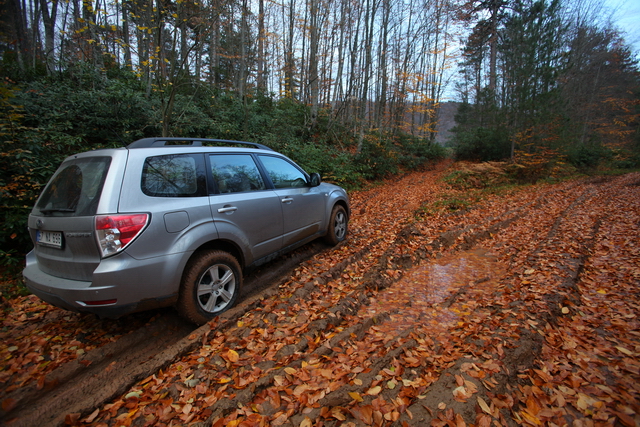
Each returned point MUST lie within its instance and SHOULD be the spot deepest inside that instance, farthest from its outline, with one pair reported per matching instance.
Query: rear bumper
(127, 284)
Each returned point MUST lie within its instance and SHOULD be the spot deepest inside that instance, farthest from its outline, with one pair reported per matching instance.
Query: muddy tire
(338, 225)
(210, 285)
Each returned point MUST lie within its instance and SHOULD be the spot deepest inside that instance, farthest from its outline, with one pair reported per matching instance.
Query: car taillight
(115, 232)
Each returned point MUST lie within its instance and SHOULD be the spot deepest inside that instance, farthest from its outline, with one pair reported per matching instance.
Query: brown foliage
(523, 309)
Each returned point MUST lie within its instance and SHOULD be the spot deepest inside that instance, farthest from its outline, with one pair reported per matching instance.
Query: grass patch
(471, 184)
(450, 203)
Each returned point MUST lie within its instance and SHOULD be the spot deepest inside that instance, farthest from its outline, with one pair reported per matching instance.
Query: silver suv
(172, 221)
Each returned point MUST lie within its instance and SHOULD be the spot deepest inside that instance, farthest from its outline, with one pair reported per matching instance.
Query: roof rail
(193, 142)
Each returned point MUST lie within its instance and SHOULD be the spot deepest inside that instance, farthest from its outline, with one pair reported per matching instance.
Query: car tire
(210, 285)
(338, 225)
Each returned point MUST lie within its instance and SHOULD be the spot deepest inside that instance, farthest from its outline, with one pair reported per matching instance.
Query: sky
(626, 16)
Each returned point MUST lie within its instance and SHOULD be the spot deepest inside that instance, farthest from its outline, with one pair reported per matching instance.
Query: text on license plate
(49, 238)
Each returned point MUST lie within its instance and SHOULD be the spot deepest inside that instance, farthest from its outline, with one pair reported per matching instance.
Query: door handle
(287, 200)
(227, 209)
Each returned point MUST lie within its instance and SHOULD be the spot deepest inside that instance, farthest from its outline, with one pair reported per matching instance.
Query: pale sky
(627, 17)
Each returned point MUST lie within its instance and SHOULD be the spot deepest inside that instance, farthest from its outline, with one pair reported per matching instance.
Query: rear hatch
(62, 223)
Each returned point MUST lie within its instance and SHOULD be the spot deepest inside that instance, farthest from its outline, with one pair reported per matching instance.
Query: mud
(476, 317)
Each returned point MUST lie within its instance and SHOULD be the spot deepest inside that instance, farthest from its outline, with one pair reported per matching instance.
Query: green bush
(629, 160)
(482, 144)
(45, 119)
(415, 153)
(108, 113)
(334, 166)
(588, 156)
(377, 158)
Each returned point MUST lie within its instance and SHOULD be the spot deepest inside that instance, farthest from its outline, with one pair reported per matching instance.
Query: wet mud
(519, 310)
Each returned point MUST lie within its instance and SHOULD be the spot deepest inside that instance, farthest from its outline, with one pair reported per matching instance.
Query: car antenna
(124, 144)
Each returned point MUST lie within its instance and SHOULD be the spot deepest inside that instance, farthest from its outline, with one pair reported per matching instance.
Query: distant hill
(446, 120)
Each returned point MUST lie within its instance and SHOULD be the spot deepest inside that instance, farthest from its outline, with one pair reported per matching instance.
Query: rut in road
(318, 350)
(77, 386)
(106, 371)
(415, 319)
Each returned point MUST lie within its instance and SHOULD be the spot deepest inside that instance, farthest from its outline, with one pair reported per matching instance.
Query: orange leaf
(337, 414)
(459, 380)
(91, 417)
(9, 404)
(364, 413)
(72, 419)
(374, 391)
(531, 418)
(279, 419)
(625, 419)
(483, 405)
(232, 356)
(356, 396)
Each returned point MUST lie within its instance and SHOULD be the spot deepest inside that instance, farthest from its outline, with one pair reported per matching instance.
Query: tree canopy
(556, 80)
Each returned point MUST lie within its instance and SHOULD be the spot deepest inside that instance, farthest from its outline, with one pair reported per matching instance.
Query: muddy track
(364, 334)
(106, 372)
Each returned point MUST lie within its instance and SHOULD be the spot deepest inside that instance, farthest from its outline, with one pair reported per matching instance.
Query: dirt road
(520, 310)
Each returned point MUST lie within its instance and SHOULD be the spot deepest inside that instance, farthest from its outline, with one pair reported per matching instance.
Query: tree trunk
(262, 87)
(289, 65)
(49, 21)
(313, 62)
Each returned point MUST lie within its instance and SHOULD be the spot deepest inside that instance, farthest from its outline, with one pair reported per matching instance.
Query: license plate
(49, 238)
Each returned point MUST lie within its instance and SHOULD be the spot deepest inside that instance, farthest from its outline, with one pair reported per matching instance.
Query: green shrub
(334, 166)
(482, 144)
(415, 153)
(377, 159)
(588, 156)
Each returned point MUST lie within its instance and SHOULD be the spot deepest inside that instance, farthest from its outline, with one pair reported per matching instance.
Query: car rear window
(75, 188)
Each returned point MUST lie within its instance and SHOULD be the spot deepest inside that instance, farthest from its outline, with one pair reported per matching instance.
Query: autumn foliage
(520, 309)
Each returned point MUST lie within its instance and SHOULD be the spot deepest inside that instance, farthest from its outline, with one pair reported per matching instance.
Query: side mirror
(315, 179)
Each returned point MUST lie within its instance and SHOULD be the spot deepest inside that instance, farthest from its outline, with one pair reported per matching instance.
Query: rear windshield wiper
(52, 210)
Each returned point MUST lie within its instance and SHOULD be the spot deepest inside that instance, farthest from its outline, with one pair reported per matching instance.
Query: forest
(350, 89)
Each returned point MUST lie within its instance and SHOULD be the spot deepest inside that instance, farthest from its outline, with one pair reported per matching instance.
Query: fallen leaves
(528, 316)
(465, 389)
(232, 356)
(38, 338)
(356, 396)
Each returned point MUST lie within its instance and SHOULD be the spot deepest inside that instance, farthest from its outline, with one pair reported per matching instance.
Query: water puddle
(425, 295)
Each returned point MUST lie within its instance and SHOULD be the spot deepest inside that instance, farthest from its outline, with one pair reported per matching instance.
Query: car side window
(175, 175)
(235, 173)
(282, 173)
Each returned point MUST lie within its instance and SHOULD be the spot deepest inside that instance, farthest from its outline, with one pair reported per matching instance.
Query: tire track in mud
(85, 383)
(326, 346)
(341, 309)
(105, 372)
(532, 300)
(301, 351)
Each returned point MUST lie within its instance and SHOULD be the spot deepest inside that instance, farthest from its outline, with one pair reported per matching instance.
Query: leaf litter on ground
(520, 309)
